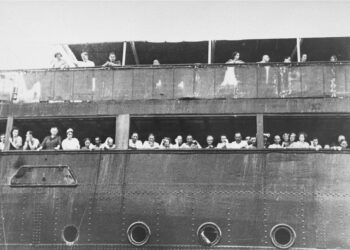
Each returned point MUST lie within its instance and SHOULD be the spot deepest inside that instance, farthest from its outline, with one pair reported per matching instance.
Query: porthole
(282, 236)
(138, 233)
(70, 234)
(209, 234)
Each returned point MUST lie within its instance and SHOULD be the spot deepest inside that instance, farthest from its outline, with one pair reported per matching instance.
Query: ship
(179, 199)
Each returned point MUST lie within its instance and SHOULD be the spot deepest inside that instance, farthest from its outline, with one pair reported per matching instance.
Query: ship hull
(246, 193)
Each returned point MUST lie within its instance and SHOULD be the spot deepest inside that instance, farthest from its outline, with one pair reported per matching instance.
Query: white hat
(69, 130)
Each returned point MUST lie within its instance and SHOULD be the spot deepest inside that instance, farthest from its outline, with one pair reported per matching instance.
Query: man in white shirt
(151, 143)
(276, 144)
(134, 142)
(224, 144)
(190, 143)
(238, 143)
(85, 61)
(70, 143)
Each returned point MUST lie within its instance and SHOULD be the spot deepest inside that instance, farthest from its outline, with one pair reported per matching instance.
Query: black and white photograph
(170, 125)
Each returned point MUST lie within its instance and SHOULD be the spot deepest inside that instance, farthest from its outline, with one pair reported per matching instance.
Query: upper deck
(203, 81)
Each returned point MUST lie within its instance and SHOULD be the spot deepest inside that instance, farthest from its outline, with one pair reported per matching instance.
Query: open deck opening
(197, 126)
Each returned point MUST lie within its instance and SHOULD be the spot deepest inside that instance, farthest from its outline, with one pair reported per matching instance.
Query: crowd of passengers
(112, 61)
(54, 142)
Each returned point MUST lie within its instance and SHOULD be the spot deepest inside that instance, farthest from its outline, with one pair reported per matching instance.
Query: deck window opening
(82, 128)
(198, 127)
(325, 131)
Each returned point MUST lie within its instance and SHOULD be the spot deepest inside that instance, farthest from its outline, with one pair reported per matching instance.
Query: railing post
(124, 54)
(9, 126)
(260, 130)
(122, 128)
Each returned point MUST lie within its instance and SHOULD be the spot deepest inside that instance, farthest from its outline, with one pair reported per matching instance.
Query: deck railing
(177, 81)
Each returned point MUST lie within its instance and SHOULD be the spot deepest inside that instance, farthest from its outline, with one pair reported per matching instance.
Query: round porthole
(282, 236)
(209, 234)
(70, 234)
(138, 233)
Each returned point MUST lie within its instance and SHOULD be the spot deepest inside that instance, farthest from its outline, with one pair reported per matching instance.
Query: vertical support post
(298, 49)
(209, 52)
(124, 54)
(122, 128)
(9, 126)
(260, 130)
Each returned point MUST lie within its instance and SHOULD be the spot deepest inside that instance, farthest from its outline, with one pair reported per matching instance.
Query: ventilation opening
(138, 233)
(70, 234)
(282, 236)
(209, 234)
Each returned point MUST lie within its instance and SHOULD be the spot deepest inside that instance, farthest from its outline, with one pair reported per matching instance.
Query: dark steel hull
(245, 193)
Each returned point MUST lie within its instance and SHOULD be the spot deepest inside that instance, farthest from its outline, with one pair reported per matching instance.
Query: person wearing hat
(70, 143)
(51, 142)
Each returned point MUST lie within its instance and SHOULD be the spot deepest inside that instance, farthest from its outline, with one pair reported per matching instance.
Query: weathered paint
(245, 192)
(184, 107)
(174, 82)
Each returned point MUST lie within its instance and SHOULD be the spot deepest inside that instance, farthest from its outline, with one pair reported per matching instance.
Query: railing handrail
(189, 65)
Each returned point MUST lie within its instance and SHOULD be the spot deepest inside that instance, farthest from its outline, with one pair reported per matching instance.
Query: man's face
(29, 136)
(112, 57)
(134, 137)
(84, 56)
(210, 140)
(97, 141)
(54, 131)
(151, 138)
(189, 139)
(292, 137)
(238, 138)
(15, 132)
(87, 143)
(179, 139)
(302, 138)
(223, 138)
(266, 58)
(166, 143)
(315, 142)
(304, 58)
(110, 142)
(277, 139)
(285, 137)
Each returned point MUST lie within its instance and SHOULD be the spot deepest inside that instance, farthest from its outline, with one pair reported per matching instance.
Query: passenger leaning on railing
(190, 143)
(276, 142)
(70, 143)
(2, 142)
(108, 145)
(134, 142)
(16, 141)
(301, 143)
(31, 143)
(52, 141)
(151, 143)
(235, 58)
(178, 142)
(85, 61)
(59, 62)
(112, 61)
(210, 142)
(224, 143)
(87, 144)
